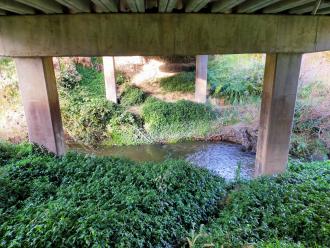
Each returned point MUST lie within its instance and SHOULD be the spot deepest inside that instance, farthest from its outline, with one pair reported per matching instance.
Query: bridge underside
(33, 40)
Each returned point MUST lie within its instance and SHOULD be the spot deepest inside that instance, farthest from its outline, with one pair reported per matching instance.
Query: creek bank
(244, 135)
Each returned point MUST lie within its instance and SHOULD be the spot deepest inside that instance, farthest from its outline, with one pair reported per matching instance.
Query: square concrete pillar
(201, 79)
(277, 110)
(110, 78)
(41, 105)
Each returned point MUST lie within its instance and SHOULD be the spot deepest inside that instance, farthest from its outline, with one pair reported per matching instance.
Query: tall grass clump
(236, 77)
(86, 201)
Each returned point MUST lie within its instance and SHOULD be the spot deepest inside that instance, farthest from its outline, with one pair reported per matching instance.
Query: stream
(219, 157)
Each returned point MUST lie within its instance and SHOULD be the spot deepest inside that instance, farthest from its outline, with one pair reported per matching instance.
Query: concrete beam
(110, 78)
(161, 34)
(201, 79)
(15, 7)
(277, 110)
(105, 5)
(254, 5)
(40, 99)
(285, 5)
(225, 5)
(48, 7)
(76, 5)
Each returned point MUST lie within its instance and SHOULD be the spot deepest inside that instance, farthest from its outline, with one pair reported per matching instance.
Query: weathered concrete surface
(201, 79)
(110, 78)
(161, 34)
(40, 99)
(277, 110)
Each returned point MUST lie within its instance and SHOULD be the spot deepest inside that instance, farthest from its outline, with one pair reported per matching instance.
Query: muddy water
(219, 157)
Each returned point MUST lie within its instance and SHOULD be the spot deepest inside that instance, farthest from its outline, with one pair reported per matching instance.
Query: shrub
(292, 207)
(132, 95)
(69, 77)
(158, 114)
(121, 78)
(86, 118)
(126, 129)
(182, 82)
(84, 201)
(236, 77)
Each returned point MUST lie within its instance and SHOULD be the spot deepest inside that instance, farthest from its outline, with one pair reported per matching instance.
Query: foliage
(132, 95)
(7, 72)
(86, 119)
(121, 78)
(92, 81)
(85, 201)
(310, 128)
(292, 207)
(69, 77)
(124, 128)
(182, 82)
(173, 122)
(158, 113)
(89, 118)
(236, 77)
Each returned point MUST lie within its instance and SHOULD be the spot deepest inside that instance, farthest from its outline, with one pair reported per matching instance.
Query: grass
(87, 201)
(181, 82)
(236, 78)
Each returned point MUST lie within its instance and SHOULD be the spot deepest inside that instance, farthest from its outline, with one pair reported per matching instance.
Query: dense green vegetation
(177, 121)
(90, 119)
(236, 78)
(132, 95)
(292, 207)
(182, 82)
(86, 201)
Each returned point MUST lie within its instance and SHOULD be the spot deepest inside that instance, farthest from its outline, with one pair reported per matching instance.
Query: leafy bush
(121, 78)
(236, 77)
(92, 81)
(86, 118)
(182, 82)
(132, 95)
(310, 129)
(126, 129)
(84, 201)
(158, 114)
(69, 77)
(292, 207)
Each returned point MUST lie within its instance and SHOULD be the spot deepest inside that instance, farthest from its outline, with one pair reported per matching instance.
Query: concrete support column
(41, 105)
(110, 78)
(201, 78)
(277, 110)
